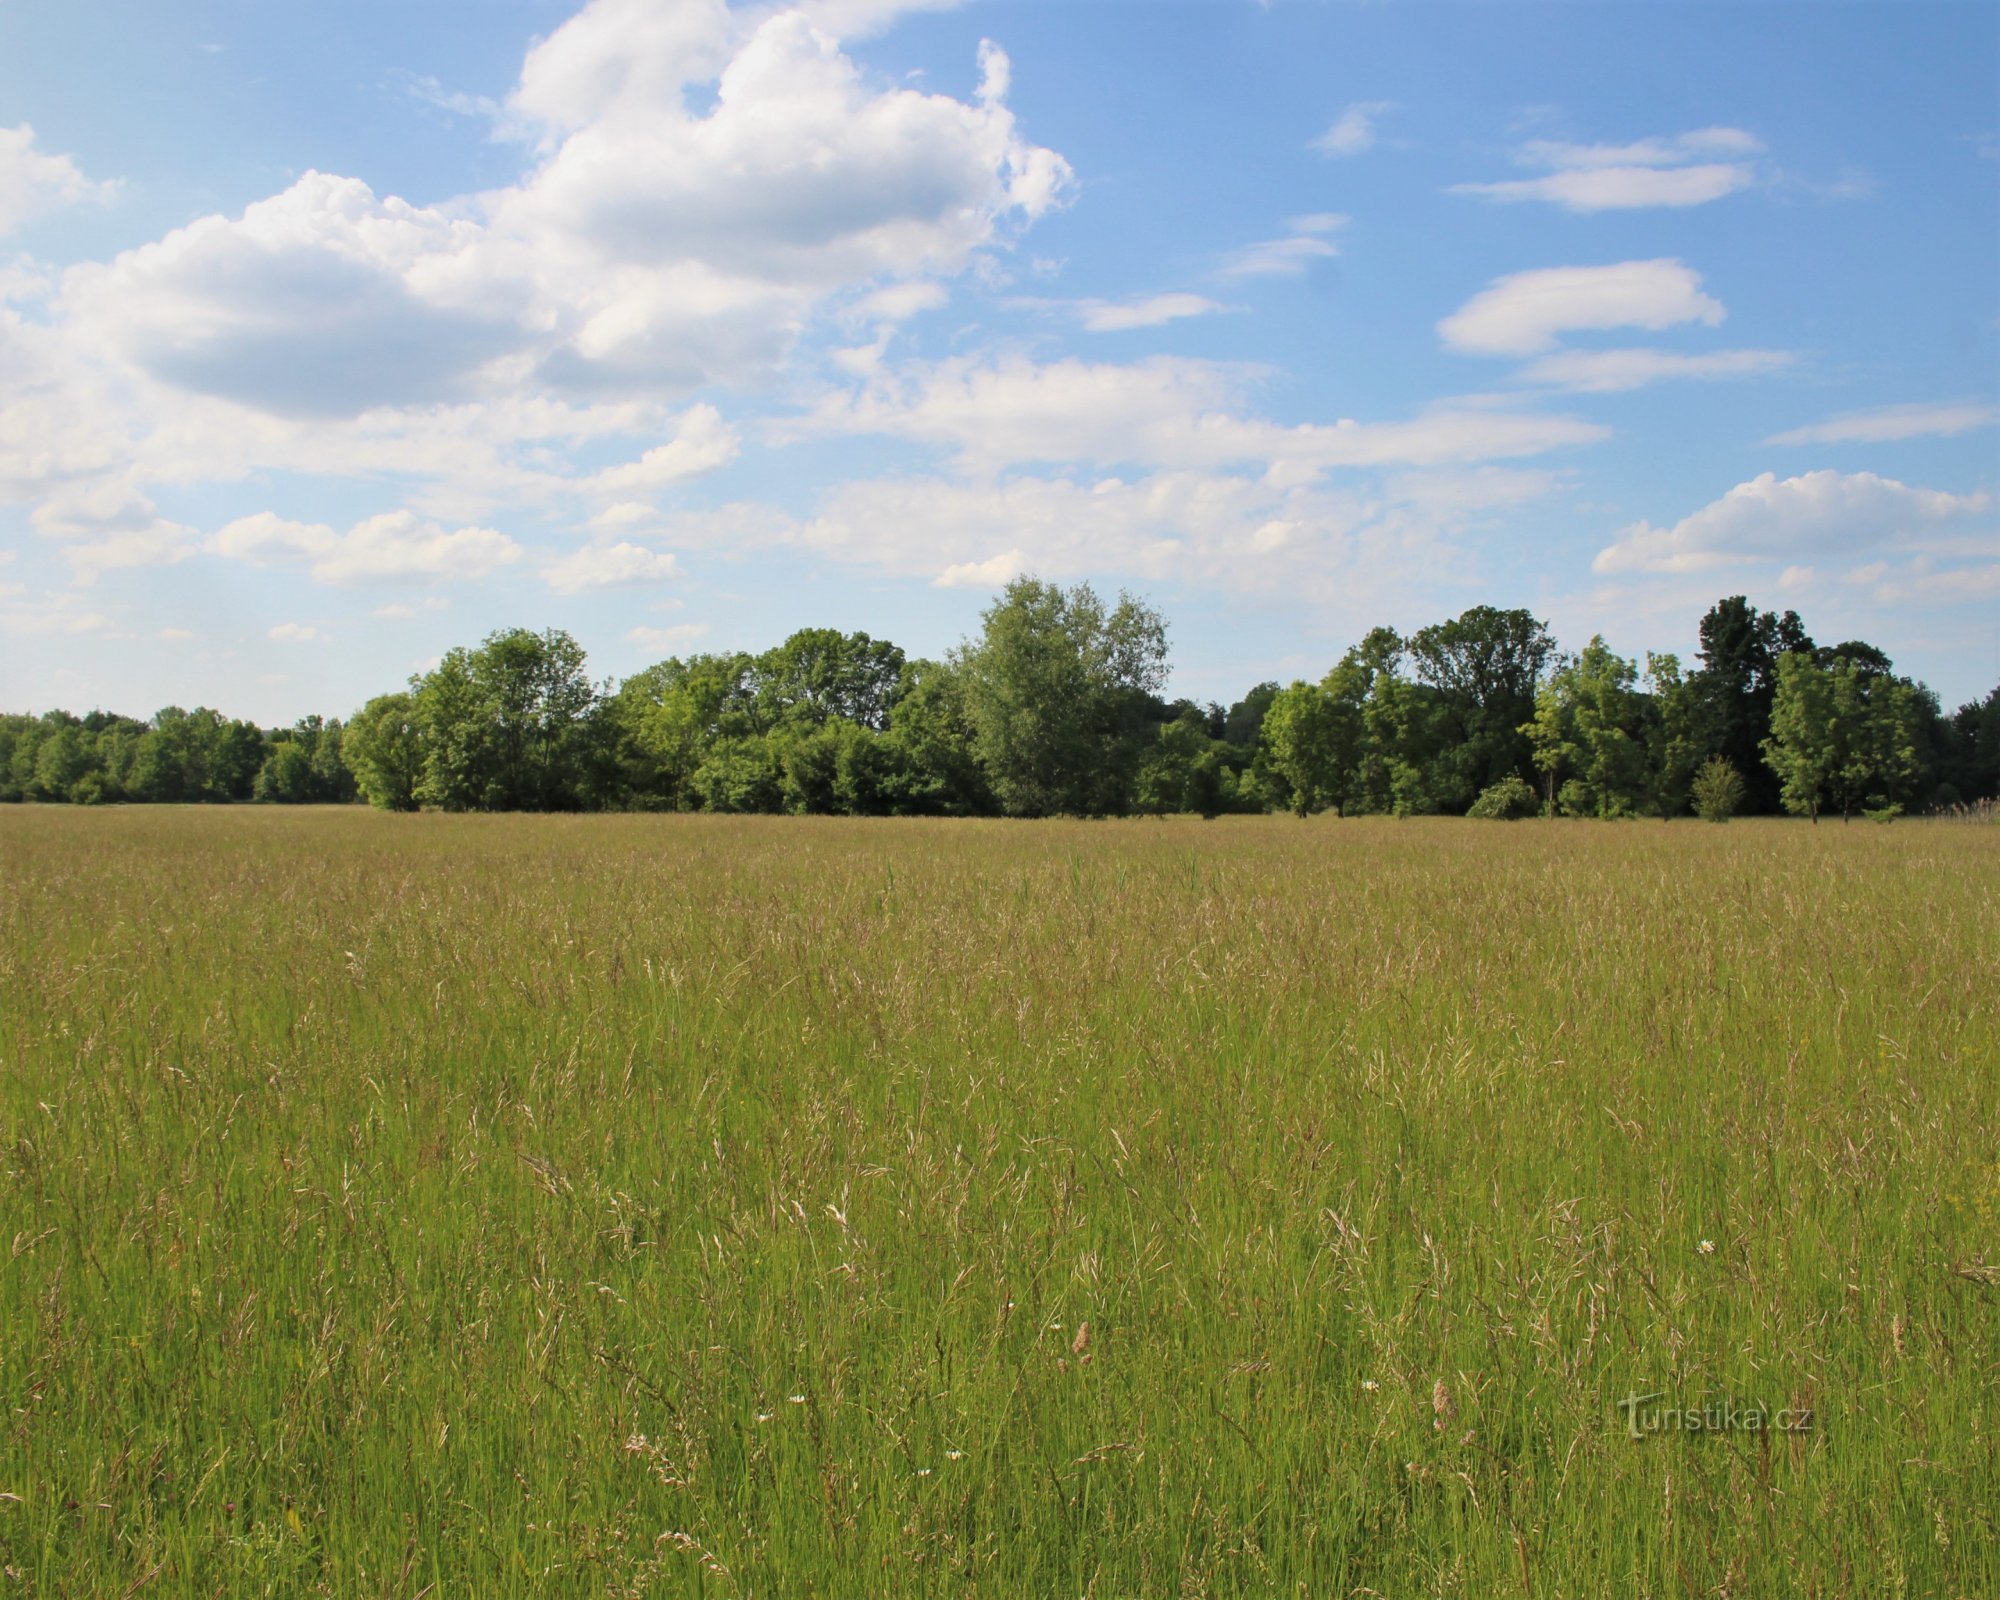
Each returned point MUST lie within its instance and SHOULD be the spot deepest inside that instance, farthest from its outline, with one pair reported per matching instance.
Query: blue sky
(332, 336)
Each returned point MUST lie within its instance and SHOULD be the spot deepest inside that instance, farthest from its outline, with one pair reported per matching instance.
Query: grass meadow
(630, 1206)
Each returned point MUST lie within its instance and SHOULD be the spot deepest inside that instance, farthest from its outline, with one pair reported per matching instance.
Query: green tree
(510, 726)
(1735, 689)
(664, 721)
(740, 773)
(1676, 743)
(383, 746)
(61, 762)
(1592, 724)
(286, 778)
(930, 760)
(1312, 741)
(1182, 771)
(1059, 691)
(820, 673)
(1717, 790)
(1802, 750)
(1876, 719)
(1484, 667)
(1244, 721)
(1843, 732)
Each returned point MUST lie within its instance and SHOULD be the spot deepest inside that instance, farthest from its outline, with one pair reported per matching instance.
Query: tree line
(1056, 709)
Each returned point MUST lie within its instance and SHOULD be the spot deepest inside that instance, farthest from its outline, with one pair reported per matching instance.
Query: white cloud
(1888, 424)
(1165, 412)
(107, 524)
(1354, 132)
(1113, 316)
(662, 239)
(1925, 582)
(673, 638)
(33, 183)
(396, 546)
(1242, 533)
(1703, 144)
(614, 566)
(1277, 258)
(57, 614)
(297, 633)
(996, 572)
(321, 301)
(1612, 371)
(1804, 518)
(1690, 169)
(1522, 314)
(399, 611)
(702, 443)
(159, 545)
(1619, 188)
(901, 301)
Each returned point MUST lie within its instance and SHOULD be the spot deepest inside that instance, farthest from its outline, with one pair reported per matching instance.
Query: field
(657, 1206)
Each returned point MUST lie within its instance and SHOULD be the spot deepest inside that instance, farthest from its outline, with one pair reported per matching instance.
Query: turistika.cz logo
(1644, 1417)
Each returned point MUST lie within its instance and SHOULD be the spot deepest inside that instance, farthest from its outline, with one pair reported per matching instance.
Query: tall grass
(647, 1206)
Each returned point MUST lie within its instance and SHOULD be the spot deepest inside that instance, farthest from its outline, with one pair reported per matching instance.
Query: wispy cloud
(1689, 169)
(1116, 316)
(1289, 256)
(1888, 424)
(1354, 133)
(1612, 371)
(1522, 314)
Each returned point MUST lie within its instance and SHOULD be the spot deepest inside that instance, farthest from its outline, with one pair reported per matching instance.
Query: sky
(332, 336)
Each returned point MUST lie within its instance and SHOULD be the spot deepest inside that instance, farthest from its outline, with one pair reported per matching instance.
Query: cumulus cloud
(1523, 314)
(702, 443)
(1353, 133)
(612, 566)
(651, 248)
(1690, 169)
(321, 301)
(397, 546)
(1612, 371)
(297, 633)
(106, 524)
(1816, 515)
(33, 182)
(993, 573)
(1889, 424)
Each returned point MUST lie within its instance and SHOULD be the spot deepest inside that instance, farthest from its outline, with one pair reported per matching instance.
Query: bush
(1505, 801)
(1718, 790)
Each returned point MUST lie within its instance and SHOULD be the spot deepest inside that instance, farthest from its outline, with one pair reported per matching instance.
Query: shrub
(1504, 801)
(1718, 790)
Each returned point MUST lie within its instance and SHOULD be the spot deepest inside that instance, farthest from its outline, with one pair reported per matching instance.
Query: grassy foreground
(653, 1206)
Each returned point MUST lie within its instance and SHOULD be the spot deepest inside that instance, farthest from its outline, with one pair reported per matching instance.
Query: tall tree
(510, 726)
(821, 673)
(1802, 750)
(1737, 686)
(1058, 689)
(1484, 666)
(383, 747)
